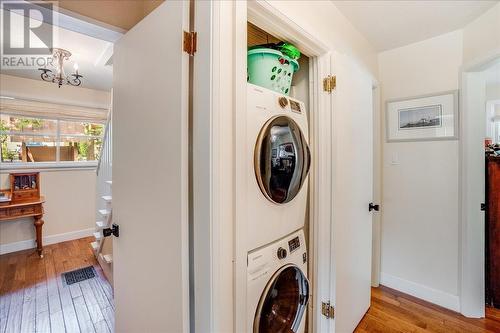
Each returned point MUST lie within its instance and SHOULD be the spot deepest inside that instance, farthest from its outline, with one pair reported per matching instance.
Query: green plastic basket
(271, 69)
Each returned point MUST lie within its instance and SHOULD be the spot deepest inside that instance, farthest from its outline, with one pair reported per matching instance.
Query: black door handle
(114, 230)
(483, 207)
(371, 207)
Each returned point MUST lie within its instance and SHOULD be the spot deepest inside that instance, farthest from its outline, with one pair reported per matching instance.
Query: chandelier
(59, 77)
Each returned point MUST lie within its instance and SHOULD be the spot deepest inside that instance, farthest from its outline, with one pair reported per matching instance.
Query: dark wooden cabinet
(25, 186)
(493, 231)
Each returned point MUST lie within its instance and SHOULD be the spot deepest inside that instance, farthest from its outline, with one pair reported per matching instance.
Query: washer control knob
(283, 101)
(281, 253)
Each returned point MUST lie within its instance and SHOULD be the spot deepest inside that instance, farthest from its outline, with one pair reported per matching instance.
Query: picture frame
(423, 118)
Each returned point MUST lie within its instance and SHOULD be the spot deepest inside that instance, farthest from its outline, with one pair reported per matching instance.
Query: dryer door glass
(281, 159)
(283, 303)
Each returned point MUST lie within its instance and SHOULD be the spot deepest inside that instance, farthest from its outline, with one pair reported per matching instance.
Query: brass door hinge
(190, 39)
(327, 310)
(329, 83)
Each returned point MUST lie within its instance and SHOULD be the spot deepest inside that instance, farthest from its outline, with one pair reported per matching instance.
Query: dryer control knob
(283, 101)
(281, 253)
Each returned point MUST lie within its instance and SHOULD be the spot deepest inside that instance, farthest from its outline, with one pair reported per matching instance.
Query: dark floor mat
(79, 275)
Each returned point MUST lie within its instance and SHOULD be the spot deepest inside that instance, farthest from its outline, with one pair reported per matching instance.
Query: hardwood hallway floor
(394, 312)
(34, 298)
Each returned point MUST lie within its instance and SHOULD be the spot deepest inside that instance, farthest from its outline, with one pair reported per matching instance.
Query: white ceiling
(391, 24)
(92, 55)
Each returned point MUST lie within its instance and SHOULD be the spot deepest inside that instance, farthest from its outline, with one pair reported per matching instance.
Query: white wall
(420, 226)
(481, 36)
(323, 20)
(69, 210)
(39, 90)
(70, 194)
(493, 91)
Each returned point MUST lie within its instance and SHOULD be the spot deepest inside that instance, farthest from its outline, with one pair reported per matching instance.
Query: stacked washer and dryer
(277, 285)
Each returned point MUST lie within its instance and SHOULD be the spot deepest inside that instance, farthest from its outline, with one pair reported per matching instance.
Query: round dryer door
(282, 159)
(283, 303)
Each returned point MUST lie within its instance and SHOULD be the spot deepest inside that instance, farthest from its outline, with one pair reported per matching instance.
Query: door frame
(471, 194)
(267, 17)
(377, 183)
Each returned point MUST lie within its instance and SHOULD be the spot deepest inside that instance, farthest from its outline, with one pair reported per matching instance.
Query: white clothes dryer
(277, 286)
(278, 160)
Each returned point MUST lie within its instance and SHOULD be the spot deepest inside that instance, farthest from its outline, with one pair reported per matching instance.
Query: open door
(352, 180)
(150, 173)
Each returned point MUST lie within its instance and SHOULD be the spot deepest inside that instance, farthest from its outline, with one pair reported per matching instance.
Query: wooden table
(28, 208)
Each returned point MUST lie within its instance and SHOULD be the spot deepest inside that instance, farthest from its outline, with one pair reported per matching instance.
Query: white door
(352, 181)
(150, 173)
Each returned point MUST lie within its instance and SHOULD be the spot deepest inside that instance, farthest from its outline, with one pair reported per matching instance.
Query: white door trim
(203, 196)
(377, 184)
(320, 195)
(472, 266)
(240, 191)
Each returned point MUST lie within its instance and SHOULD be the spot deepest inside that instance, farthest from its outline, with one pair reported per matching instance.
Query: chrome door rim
(269, 284)
(257, 157)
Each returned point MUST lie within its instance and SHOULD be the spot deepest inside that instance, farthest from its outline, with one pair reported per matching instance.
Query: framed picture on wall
(423, 118)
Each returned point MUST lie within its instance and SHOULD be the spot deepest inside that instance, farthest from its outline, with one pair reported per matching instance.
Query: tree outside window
(31, 140)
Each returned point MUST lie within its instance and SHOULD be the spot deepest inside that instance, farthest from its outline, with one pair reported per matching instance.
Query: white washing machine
(278, 160)
(277, 286)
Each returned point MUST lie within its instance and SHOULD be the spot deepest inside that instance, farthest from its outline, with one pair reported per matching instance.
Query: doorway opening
(287, 154)
(492, 186)
(261, 24)
(56, 131)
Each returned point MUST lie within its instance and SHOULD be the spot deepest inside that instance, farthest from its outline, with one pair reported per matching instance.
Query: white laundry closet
(278, 164)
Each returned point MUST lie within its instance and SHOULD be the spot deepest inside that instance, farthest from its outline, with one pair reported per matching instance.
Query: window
(497, 132)
(27, 140)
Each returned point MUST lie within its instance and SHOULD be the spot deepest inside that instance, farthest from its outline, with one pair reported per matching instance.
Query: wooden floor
(394, 312)
(34, 298)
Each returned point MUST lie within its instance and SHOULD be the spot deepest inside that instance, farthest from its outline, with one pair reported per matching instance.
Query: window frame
(57, 164)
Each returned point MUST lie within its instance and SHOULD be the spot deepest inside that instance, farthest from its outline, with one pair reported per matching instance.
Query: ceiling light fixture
(59, 77)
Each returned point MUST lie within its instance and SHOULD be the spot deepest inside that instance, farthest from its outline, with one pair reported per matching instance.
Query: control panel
(295, 106)
(294, 244)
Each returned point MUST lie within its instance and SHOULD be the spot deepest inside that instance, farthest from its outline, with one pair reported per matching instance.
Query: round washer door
(283, 302)
(281, 159)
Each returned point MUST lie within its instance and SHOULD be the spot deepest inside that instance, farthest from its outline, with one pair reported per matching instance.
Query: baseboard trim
(431, 295)
(52, 239)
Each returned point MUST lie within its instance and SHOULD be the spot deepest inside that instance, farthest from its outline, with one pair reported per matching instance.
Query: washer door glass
(282, 159)
(283, 303)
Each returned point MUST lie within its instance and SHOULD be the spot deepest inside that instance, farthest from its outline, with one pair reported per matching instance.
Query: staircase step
(107, 198)
(100, 225)
(107, 258)
(109, 182)
(98, 235)
(104, 212)
(95, 246)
